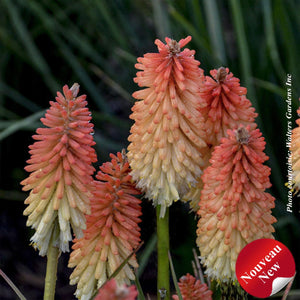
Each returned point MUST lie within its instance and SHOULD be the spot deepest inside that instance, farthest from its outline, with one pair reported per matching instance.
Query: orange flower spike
(112, 230)
(166, 139)
(111, 291)
(61, 168)
(192, 289)
(224, 105)
(295, 155)
(234, 207)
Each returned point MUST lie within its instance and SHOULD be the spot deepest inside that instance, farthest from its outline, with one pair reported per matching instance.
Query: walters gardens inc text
(288, 114)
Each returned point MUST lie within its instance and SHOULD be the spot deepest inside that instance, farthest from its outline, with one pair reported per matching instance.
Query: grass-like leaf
(24, 35)
(188, 26)
(141, 295)
(273, 49)
(145, 255)
(12, 285)
(215, 30)
(111, 83)
(18, 98)
(198, 267)
(161, 20)
(269, 86)
(174, 278)
(20, 124)
(243, 49)
(116, 272)
(66, 51)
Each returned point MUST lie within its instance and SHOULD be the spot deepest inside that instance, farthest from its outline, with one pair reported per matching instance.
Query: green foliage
(45, 44)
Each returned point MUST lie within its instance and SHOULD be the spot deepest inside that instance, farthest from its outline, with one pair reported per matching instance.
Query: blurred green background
(46, 44)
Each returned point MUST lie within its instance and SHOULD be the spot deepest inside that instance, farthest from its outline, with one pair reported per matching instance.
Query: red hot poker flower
(192, 289)
(234, 207)
(61, 169)
(111, 291)
(167, 136)
(112, 230)
(225, 105)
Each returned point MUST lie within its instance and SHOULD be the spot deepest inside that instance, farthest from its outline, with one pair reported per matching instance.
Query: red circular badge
(264, 267)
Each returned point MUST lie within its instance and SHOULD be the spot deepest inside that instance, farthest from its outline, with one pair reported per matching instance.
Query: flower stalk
(163, 283)
(51, 269)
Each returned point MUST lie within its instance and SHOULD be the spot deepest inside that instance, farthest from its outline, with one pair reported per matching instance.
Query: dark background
(46, 44)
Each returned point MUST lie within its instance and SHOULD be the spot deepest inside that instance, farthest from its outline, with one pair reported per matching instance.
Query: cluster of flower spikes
(111, 291)
(61, 168)
(112, 232)
(295, 154)
(192, 289)
(223, 106)
(234, 207)
(167, 138)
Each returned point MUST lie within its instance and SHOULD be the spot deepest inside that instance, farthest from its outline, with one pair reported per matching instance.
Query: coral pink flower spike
(192, 289)
(234, 207)
(224, 105)
(111, 291)
(167, 136)
(61, 168)
(112, 230)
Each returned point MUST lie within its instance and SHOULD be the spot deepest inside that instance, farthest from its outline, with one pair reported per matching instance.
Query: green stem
(215, 289)
(50, 280)
(163, 283)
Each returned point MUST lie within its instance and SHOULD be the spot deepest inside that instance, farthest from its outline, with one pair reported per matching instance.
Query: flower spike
(61, 168)
(192, 289)
(111, 291)
(167, 138)
(234, 207)
(112, 230)
(224, 105)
